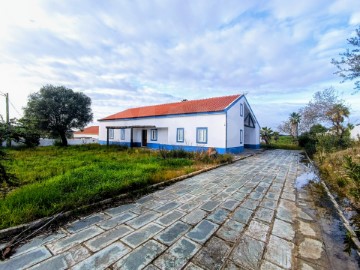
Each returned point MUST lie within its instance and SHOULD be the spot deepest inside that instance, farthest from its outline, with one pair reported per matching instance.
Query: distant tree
(266, 134)
(294, 121)
(337, 115)
(318, 129)
(316, 111)
(57, 109)
(276, 136)
(285, 127)
(349, 64)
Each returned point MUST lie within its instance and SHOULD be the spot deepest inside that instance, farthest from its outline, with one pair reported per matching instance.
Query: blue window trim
(156, 135)
(241, 136)
(122, 134)
(177, 134)
(241, 109)
(111, 133)
(197, 133)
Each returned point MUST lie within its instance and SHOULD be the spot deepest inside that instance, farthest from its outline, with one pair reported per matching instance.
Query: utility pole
(8, 140)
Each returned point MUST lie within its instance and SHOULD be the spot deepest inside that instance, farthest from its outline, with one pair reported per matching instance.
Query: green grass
(55, 179)
(284, 142)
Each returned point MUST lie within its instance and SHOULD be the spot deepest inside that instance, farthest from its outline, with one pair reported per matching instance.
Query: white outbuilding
(226, 123)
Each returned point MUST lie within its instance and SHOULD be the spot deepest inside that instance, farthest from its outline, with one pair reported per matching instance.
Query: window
(201, 135)
(241, 136)
(111, 133)
(249, 121)
(153, 135)
(180, 135)
(122, 134)
(241, 109)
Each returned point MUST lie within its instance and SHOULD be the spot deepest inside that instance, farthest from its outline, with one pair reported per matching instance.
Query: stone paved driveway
(246, 215)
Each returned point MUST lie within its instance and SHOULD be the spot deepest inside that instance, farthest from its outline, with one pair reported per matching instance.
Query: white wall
(88, 136)
(235, 122)
(215, 122)
(355, 132)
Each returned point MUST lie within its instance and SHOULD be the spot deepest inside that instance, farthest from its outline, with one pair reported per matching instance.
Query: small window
(241, 109)
(180, 135)
(153, 135)
(241, 136)
(201, 135)
(122, 134)
(111, 133)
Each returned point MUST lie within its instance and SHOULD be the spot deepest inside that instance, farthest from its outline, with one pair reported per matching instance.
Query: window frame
(155, 133)
(122, 134)
(241, 109)
(241, 136)
(177, 134)
(198, 129)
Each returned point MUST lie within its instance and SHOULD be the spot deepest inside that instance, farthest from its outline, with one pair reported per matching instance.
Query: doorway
(144, 138)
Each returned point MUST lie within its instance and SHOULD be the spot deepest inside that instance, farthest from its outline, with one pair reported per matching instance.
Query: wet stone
(170, 218)
(140, 236)
(25, 260)
(192, 266)
(172, 233)
(151, 267)
(178, 255)
(279, 251)
(218, 216)
(264, 214)
(256, 195)
(73, 240)
(242, 215)
(113, 222)
(269, 204)
(250, 204)
(239, 196)
(248, 253)
(38, 241)
(257, 230)
(189, 206)
(266, 265)
(140, 257)
(213, 255)
(210, 205)
(283, 229)
(107, 238)
(64, 260)
(230, 204)
(120, 209)
(143, 219)
(86, 222)
(167, 207)
(194, 217)
(202, 231)
(272, 195)
(230, 231)
(103, 258)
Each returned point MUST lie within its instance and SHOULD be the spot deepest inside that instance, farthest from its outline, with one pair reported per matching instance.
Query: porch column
(107, 136)
(131, 138)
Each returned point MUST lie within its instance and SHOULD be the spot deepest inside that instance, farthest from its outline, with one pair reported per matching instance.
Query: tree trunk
(63, 139)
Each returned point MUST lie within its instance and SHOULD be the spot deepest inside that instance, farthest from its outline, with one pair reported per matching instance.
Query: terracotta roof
(93, 130)
(184, 107)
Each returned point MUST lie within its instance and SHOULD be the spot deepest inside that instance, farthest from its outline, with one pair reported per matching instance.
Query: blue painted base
(252, 146)
(232, 150)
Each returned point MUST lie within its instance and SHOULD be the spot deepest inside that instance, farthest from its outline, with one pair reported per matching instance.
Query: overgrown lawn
(55, 179)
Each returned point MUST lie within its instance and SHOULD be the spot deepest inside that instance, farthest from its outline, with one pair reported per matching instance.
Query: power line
(12, 105)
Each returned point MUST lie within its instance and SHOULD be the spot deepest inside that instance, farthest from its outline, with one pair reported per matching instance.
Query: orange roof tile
(184, 107)
(93, 130)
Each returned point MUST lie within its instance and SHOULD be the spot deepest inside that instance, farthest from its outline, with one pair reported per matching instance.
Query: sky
(125, 54)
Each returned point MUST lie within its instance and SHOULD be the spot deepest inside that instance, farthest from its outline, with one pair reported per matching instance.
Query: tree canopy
(349, 63)
(57, 109)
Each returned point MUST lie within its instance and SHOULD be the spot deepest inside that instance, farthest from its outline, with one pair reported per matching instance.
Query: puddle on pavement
(305, 178)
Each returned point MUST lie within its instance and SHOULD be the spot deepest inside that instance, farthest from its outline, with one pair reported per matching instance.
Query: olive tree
(57, 109)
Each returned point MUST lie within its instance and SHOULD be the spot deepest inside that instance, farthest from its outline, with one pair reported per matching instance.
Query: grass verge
(55, 179)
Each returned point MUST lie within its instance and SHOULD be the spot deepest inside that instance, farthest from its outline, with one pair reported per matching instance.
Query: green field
(55, 179)
(284, 142)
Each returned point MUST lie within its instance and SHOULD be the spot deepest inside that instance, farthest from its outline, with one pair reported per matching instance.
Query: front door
(144, 138)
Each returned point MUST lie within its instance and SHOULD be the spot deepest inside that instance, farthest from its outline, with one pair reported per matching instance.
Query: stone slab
(264, 214)
(278, 251)
(103, 258)
(120, 209)
(142, 235)
(218, 216)
(143, 219)
(194, 217)
(172, 233)
(86, 222)
(117, 220)
(283, 230)
(242, 215)
(141, 256)
(170, 218)
(202, 232)
(248, 253)
(257, 230)
(230, 231)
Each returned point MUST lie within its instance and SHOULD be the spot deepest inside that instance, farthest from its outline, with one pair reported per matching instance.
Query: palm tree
(337, 116)
(294, 121)
(266, 134)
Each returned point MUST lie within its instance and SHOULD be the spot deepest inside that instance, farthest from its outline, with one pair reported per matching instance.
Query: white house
(355, 132)
(91, 132)
(225, 123)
